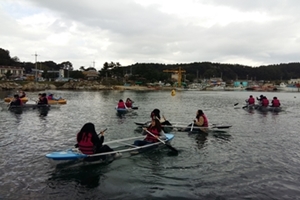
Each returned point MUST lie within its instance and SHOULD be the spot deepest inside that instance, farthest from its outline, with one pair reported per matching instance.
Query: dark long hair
(155, 114)
(199, 114)
(157, 125)
(87, 128)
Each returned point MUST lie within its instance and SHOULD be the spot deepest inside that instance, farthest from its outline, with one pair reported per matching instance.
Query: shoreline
(82, 85)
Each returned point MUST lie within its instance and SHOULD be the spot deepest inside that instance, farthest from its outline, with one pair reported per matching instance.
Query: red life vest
(251, 101)
(275, 103)
(121, 105)
(128, 104)
(205, 123)
(86, 145)
(265, 102)
(149, 137)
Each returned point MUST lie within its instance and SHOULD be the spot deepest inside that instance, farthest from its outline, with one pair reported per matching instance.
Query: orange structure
(178, 72)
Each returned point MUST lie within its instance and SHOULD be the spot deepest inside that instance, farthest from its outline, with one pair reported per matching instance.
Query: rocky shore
(75, 85)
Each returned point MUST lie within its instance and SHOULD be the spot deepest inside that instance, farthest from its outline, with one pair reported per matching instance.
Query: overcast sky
(91, 32)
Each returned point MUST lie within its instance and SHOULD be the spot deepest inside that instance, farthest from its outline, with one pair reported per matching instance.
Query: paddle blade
(236, 104)
(175, 151)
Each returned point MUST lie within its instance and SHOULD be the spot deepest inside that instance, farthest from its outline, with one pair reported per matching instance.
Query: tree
(82, 68)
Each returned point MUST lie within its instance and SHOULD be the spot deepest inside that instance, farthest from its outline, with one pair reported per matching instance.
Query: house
(91, 74)
(15, 71)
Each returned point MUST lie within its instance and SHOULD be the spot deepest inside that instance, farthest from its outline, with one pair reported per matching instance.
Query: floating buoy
(173, 93)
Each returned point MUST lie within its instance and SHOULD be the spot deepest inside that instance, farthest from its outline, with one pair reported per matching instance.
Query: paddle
(169, 146)
(236, 104)
(192, 127)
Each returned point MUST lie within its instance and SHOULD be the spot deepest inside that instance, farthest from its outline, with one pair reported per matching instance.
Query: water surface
(258, 158)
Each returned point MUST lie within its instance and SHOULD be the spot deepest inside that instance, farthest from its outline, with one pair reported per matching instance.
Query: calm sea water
(258, 158)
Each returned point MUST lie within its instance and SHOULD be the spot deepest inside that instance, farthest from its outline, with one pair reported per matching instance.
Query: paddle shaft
(169, 146)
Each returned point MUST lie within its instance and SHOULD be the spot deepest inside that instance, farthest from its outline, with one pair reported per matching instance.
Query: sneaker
(134, 152)
(117, 155)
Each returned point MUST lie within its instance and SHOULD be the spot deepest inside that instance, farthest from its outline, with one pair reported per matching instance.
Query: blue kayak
(74, 154)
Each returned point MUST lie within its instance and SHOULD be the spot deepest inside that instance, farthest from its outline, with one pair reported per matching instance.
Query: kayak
(9, 99)
(60, 101)
(122, 111)
(262, 108)
(29, 106)
(119, 146)
(181, 126)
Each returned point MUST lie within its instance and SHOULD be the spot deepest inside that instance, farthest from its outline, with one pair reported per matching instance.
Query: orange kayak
(9, 99)
(60, 101)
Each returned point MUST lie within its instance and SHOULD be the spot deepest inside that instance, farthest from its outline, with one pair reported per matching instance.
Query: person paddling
(166, 125)
(16, 101)
(201, 121)
(129, 103)
(121, 104)
(89, 143)
(265, 102)
(157, 132)
(251, 100)
(43, 99)
(275, 102)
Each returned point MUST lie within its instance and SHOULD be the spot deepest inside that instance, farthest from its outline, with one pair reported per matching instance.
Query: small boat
(122, 111)
(60, 101)
(125, 147)
(9, 99)
(181, 126)
(29, 106)
(269, 108)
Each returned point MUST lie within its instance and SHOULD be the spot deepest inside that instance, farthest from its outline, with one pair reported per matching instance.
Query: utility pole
(35, 78)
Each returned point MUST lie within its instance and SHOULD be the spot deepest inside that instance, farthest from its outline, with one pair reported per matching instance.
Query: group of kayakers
(263, 101)
(42, 98)
(17, 99)
(89, 142)
(125, 105)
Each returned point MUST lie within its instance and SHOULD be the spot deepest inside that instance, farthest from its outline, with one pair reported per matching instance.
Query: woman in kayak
(129, 103)
(89, 143)
(43, 99)
(275, 102)
(166, 125)
(155, 129)
(200, 121)
(121, 104)
(16, 101)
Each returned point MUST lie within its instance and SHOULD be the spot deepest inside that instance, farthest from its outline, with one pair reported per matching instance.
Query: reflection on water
(256, 158)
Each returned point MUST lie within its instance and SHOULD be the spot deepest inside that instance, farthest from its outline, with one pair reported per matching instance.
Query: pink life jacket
(86, 145)
(265, 102)
(149, 137)
(251, 101)
(121, 105)
(275, 103)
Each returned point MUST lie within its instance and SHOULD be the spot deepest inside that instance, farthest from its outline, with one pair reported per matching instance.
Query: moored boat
(120, 146)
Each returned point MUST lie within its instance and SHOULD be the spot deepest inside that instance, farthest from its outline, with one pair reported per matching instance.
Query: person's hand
(102, 133)
(194, 120)
(144, 129)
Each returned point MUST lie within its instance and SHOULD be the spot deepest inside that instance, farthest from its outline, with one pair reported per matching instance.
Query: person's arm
(200, 122)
